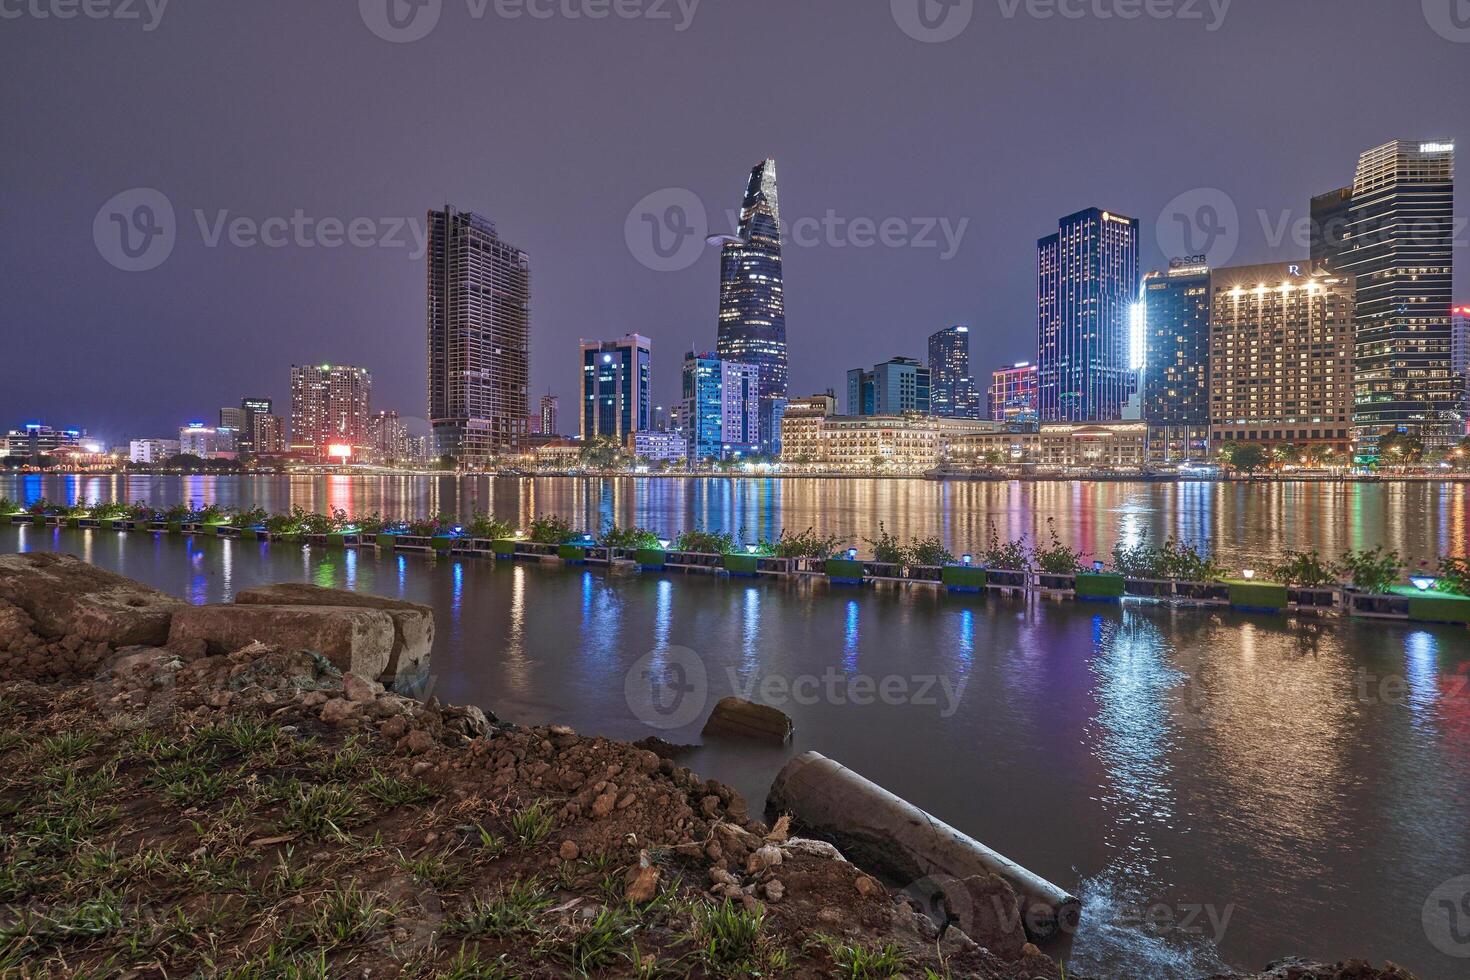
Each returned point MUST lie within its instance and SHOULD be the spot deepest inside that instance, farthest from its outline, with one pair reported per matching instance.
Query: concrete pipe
(893, 837)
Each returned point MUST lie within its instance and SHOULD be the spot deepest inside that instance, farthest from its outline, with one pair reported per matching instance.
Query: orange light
(339, 451)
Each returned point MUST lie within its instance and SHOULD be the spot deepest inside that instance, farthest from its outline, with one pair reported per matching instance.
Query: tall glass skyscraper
(1087, 285)
(479, 316)
(1176, 361)
(721, 407)
(616, 380)
(952, 392)
(1401, 252)
(752, 304)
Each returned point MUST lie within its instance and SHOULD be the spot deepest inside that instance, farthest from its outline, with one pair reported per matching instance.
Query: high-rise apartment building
(720, 414)
(1460, 351)
(616, 386)
(268, 434)
(1176, 372)
(549, 412)
(752, 327)
(1013, 396)
(1401, 254)
(387, 438)
(253, 408)
(1281, 356)
(1331, 225)
(953, 392)
(1087, 285)
(479, 349)
(894, 387)
(330, 405)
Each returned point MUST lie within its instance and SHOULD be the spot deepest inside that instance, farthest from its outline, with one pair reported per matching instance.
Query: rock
(360, 689)
(774, 890)
(413, 624)
(395, 728)
(15, 625)
(569, 850)
(338, 710)
(604, 804)
(64, 596)
(745, 719)
(416, 742)
(764, 857)
(467, 720)
(662, 748)
(352, 639)
(868, 886)
(642, 881)
(813, 848)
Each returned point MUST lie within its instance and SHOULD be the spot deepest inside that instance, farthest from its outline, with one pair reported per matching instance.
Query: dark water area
(1218, 788)
(1243, 524)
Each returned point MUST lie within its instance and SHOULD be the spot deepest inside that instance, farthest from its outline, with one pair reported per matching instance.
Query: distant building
(1281, 341)
(953, 392)
(1331, 221)
(752, 327)
(1176, 363)
(616, 386)
(387, 438)
(1059, 447)
(1401, 254)
(1087, 285)
(153, 451)
(869, 443)
(233, 419)
(549, 410)
(660, 447)
(721, 407)
(268, 434)
(479, 320)
(1460, 352)
(329, 410)
(801, 427)
(1013, 395)
(35, 439)
(894, 387)
(207, 442)
(254, 408)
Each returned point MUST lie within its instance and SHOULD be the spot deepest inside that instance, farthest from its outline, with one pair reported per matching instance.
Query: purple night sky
(556, 127)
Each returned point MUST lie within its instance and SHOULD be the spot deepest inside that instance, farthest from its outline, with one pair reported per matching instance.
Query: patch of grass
(68, 746)
(468, 964)
(393, 791)
(343, 763)
(861, 962)
(510, 910)
(728, 936)
(247, 736)
(533, 824)
(434, 869)
(492, 846)
(321, 811)
(283, 878)
(347, 915)
(10, 739)
(594, 945)
(197, 787)
(101, 915)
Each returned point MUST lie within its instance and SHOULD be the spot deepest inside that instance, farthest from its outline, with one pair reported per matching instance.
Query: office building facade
(721, 407)
(151, 452)
(616, 386)
(1013, 395)
(894, 387)
(953, 392)
(268, 434)
(1087, 283)
(549, 412)
(479, 337)
(1176, 361)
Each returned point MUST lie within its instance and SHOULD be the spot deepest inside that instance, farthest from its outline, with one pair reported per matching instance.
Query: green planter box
(741, 564)
(73, 522)
(387, 542)
(175, 527)
(963, 577)
(843, 570)
(336, 540)
(213, 530)
(1435, 607)
(571, 552)
(1100, 586)
(1265, 596)
(442, 544)
(503, 548)
(649, 558)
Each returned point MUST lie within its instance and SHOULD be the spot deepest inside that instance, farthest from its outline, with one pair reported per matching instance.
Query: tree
(600, 453)
(1397, 448)
(1244, 456)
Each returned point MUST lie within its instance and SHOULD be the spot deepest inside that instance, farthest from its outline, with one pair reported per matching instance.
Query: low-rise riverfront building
(35, 439)
(1058, 446)
(870, 443)
(152, 451)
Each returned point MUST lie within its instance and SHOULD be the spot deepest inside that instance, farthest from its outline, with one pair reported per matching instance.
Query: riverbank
(296, 814)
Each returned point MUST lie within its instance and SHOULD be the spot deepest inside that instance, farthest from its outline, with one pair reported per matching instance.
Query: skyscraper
(268, 434)
(386, 439)
(1460, 351)
(1401, 253)
(1087, 285)
(233, 419)
(953, 393)
(721, 407)
(898, 385)
(615, 387)
(1331, 220)
(752, 303)
(550, 409)
(1176, 373)
(329, 409)
(1013, 395)
(479, 319)
(254, 408)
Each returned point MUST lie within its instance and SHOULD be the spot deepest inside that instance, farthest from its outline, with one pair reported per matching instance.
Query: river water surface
(1220, 789)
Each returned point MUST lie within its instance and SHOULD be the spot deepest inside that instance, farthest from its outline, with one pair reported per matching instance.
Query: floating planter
(386, 541)
(1248, 595)
(572, 554)
(1434, 607)
(963, 578)
(742, 565)
(503, 548)
(215, 530)
(1100, 587)
(650, 559)
(175, 527)
(844, 571)
(337, 540)
(442, 543)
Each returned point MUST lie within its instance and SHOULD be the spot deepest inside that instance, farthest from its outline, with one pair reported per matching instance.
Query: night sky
(556, 128)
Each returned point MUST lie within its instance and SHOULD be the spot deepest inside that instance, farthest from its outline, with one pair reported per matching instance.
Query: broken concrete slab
(65, 596)
(413, 623)
(745, 719)
(352, 639)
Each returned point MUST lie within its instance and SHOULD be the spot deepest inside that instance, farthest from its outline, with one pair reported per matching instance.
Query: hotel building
(329, 410)
(1013, 395)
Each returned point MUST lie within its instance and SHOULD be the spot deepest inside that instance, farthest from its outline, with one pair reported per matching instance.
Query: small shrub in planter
(629, 538)
(1303, 569)
(807, 544)
(1454, 576)
(930, 552)
(551, 529)
(705, 542)
(1011, 556)
(1373, 570)
(484, 525)
(1058, 558)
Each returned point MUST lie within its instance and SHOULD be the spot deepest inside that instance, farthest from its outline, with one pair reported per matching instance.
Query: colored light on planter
(1422, 582)
(968, 559)
(1248, 574)
(750, 549)
(664, 543)
(851, 554)
(1097, 566)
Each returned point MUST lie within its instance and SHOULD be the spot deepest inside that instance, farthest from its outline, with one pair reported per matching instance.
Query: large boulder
(352, 639)
(65, 596)
(745, 719)
(413, 624)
